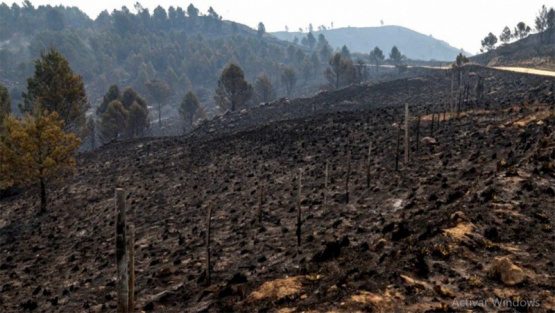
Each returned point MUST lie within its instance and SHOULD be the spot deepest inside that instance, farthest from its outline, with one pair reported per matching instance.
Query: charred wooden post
(121, 254)
(131, 305)
(348, 176)
(417, 133)
(407, 150)
(208, 228)
(452, 86)
(299, 200)
(397, 149)
(260, 197)
(368, 165)
(432, 126)
(326, 183)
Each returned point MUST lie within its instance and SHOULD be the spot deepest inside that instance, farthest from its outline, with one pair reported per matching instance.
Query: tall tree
(361, 72)
(261, 30)
(114, 121)
(137, 119)
(506, 35)
(489, 42)
(377, 57)
(551, 25)
(36, 149)
(233, 91)
(111, 95)
(336, 71)
(306, 69)
(57, 89)
(289, 79)
(310, 40)
(521, 30)
(190, 108)
(541, 22)
(345, 53)
(395, 56)
(159, 93)
(5, 103)
(192, 11)
(264, 89)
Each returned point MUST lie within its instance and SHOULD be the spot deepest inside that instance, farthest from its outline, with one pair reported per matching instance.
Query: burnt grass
(492, 167)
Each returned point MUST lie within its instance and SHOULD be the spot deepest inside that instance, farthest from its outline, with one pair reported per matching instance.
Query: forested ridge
(184, 48)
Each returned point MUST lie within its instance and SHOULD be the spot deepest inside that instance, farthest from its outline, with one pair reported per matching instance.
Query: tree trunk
(131, 299)
(417, 133)
(208, 228)
(348, 176)
(397, 149)
(299, 200)
(407, 150)
(42, 196)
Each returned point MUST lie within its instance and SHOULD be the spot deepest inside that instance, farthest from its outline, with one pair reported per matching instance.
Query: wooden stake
(299, 222)
(208, 227)
(432, 126)
(452, 86)
(121, 254)
(131, 305)
(407, 150)
(348, 176)
(261, 186)
(326, 184)
(397, 149)
(417, 133)
(368, 165)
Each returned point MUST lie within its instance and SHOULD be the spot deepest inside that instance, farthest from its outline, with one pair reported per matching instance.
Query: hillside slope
(415, 239)
(414, 45)
(529, 52)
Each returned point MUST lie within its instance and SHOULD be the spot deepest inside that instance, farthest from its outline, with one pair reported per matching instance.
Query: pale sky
(463, 24)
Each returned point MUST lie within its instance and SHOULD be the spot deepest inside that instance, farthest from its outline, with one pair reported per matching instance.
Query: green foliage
(309, 41)
(159, 93)
(128, 49)
(112, 94)
(541, 19)
(5, 103)
(261, 30)
(395, 56)
(306, 69)
(289, 79)
(190, 108)
(114, 121)
(376, 57)
(489, 42)
(341, 72)
(264, 89)
(122, 115)
(35, 149)
(460, 60)
(506, 35)
(233, 91)
(521, 30)
(345, 53)
(57, 89)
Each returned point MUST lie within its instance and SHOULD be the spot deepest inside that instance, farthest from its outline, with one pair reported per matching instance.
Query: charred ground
(417, 239)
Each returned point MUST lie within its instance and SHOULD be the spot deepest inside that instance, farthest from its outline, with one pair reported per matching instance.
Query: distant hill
(412, 44)
(531, 52)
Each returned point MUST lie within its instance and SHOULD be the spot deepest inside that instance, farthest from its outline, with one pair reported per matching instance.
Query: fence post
(208, 227)
(299, 222)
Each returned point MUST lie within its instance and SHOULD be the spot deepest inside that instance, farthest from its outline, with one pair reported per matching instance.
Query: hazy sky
(463, 24)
